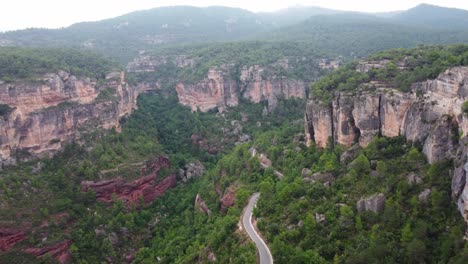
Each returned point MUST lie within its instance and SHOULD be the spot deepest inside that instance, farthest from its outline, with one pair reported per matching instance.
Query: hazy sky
(18, 14)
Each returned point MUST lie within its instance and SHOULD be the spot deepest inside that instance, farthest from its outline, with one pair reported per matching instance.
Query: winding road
(263, 250)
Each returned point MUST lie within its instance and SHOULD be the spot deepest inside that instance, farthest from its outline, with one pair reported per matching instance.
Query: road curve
(263, 250)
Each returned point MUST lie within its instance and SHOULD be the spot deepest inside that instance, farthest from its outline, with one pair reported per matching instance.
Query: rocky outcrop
(201, 205)
(58, 108)
(144, 189)
(217, 90)
(59, 251)
(430, 114)
(374, 203)
(148, 63)
(423, 115)
(319, 176)
(228, 199)
(191, 170)
(10, 237)
(424, 196)
(222, 88)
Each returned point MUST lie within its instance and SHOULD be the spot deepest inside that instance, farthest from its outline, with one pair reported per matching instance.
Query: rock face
(225, 85)
(59, 251)
(431, 114)
(59, 108)
(144, 188)
(192, 170)
(221, 88)
(201, 205)
(217, 90)
(424, 196)
(10, 237)
(375, 203)
(228, 199)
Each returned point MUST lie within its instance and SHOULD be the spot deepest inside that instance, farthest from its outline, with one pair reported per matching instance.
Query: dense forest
(300, 60)
(27, 63)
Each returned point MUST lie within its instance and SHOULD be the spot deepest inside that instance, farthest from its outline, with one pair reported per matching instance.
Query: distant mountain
(435, 17)
(358, 34)
(123, 36)
(343, 33)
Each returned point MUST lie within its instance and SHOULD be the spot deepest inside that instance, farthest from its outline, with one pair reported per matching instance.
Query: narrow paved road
(263, 250)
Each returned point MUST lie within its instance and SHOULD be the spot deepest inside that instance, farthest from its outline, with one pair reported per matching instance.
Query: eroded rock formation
(374, 203)
(228, 198)
(57, 109)
(430, 114)
(10, 237)
(145, 188)
(221, 88)
(58, 251)
(201, 205)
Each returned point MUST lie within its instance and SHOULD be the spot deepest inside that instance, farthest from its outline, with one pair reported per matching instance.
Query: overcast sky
(19, 14)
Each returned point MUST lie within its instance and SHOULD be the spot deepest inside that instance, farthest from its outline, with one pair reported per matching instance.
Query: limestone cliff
(58, 108)
(221, 89)
(431, 114)
(225, 85)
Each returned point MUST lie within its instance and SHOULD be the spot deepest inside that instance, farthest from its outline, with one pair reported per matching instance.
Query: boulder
(306, 172)
(374, 203)
(201, 205)
(192, 170)
(320, 218)
(321, 177)
(413, 179)
(424, 196)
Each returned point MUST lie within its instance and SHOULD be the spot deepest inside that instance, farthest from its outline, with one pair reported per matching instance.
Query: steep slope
(221, 75)
(359, 35)
(45, 107)
(122, 37)
(430, 114)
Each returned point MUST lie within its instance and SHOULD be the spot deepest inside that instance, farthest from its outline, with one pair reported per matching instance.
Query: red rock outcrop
(57, 109)
(58, 251)
(10, 237)
(130, 193)
(228, 199)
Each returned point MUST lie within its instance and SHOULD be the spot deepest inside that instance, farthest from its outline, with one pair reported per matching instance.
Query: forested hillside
(140, 138)
(314, 214)
(22, 63)
(342, 33)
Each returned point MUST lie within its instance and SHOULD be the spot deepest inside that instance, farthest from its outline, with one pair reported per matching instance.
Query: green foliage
(465, 107)
(234, 56)
(105, 95)
(420, 64)
(28, 63)
(5, 110)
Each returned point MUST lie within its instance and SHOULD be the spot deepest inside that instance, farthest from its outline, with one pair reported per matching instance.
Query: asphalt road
(263, 250)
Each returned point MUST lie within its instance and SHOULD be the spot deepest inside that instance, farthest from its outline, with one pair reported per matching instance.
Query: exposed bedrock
(430, 115)
(144, 189)
(45, 114)
(221, 88)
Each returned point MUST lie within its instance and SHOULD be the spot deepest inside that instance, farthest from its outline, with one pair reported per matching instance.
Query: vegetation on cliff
(398, 68)
(296, 60)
